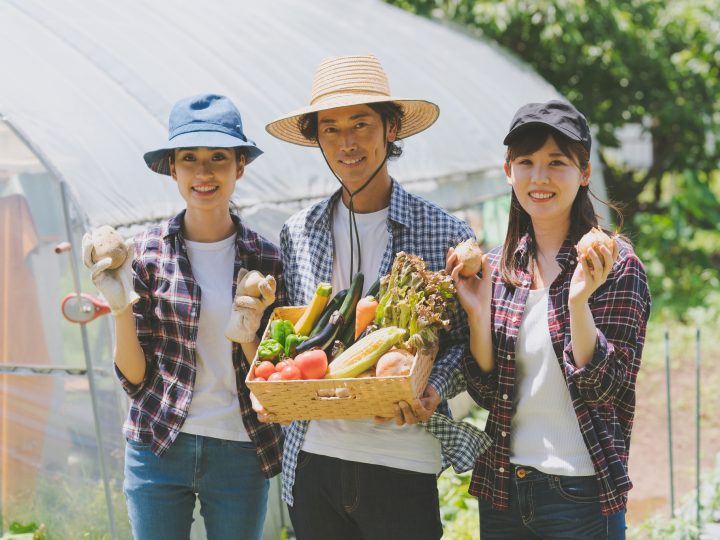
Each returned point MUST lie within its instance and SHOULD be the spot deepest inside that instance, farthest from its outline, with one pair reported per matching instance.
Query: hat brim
(517, 130)
(158, 161)
(418, 116)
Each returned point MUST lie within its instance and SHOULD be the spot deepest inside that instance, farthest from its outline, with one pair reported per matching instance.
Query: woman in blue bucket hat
(191, 432)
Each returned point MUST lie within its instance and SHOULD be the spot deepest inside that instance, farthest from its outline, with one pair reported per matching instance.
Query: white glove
(247, 311)
(116, 286)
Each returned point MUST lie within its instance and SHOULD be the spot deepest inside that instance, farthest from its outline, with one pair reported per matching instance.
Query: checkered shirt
(602, 392)
(414, 226)
(166, 318)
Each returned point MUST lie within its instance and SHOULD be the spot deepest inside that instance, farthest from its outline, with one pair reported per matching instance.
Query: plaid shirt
(602, 392)
(166, 319)
(414, 226)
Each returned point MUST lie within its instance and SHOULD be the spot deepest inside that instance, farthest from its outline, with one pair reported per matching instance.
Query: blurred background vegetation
(644, 63)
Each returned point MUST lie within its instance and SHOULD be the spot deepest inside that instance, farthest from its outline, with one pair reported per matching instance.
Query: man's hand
(247, 311)
(420, 411)
(263, 415)
(116, 285)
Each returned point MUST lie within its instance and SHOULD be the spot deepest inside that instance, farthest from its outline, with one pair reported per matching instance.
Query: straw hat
(353, 80)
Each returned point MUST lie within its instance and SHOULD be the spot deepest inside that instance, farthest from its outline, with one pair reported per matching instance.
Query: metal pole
(89, 367)
(669, 422)
(697, 427)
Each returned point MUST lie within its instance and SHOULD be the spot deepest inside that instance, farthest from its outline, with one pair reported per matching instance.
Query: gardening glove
(247, 311)
(116, 285)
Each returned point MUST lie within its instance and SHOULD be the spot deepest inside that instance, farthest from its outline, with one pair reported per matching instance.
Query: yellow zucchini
(312, 313)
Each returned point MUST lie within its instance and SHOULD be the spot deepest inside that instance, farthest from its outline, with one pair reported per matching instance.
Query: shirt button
(514, 319)
(505, 396)
(504, 433)
(501, 469)
(509, 357)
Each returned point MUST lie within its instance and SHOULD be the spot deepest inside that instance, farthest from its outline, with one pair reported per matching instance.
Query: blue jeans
(224, 475)
(549, 507)
(346, 500)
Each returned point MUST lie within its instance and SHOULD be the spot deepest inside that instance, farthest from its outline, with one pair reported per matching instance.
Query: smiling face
(354, 141)
(206, 176)
(546, 182)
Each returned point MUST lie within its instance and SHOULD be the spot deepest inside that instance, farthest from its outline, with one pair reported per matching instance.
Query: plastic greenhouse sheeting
(91, 90)
(86, 88)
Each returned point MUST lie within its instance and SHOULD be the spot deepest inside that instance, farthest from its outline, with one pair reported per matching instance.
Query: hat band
(193, 127)
(329, 96)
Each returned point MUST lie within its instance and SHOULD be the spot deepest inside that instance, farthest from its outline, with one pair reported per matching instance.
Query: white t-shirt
(545, 433)
(214, 409)
(408, 447)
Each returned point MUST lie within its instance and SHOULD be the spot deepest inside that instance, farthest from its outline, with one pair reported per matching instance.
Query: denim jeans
(224, 475)
(549, 507)
(346, 500)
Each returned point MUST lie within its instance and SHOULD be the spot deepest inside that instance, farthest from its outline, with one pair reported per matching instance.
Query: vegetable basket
(363, 397)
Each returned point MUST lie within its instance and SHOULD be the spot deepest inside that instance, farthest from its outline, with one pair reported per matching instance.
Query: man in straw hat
(345, 478)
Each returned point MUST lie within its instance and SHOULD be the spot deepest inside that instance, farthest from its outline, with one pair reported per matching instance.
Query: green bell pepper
(269, 349)
(280, 330)
(291, 343)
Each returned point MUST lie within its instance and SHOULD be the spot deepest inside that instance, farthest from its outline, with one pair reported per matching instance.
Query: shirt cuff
(130, 389)
(477, 378)
(599, 357)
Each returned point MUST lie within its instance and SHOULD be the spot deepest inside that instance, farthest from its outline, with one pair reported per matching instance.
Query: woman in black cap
(556, 338)
(191, 432)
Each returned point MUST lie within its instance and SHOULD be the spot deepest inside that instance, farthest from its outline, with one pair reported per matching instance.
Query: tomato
(282, 364)
(313, 364)
(264, 370)
(259, 379)
(275, 377)
(291, 373)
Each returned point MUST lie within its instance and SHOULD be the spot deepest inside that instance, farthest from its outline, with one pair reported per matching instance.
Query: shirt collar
(564, 257)
(245, 240)
(400, 207)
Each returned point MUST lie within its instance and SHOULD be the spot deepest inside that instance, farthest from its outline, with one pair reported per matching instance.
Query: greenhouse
(86, 91)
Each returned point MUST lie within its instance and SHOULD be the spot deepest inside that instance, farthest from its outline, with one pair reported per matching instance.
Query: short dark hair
(390, 112)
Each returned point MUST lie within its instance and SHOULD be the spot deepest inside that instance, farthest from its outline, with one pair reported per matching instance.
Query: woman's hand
(586, 279)
(474, 293)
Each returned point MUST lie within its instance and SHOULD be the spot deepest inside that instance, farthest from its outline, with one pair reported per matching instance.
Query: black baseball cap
(558, 115)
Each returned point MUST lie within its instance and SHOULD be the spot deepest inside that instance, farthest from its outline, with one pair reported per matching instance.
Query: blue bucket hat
(206, 120)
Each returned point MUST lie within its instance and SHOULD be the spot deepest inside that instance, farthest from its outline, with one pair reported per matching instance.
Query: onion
(393, 363)
(594, 239)
(470, 254)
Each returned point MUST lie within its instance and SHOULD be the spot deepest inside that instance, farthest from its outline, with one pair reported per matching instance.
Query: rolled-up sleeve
(621, 312)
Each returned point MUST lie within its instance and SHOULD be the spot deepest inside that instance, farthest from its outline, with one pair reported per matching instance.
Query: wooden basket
(366, 397)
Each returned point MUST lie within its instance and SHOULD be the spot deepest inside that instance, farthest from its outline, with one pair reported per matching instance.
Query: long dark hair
(582, 213)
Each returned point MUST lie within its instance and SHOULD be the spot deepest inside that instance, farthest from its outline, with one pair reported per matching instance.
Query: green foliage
(72, 509)
(633, 61)
(681, 250)
(684, 525)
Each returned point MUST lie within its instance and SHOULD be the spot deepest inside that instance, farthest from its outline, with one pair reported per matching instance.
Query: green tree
(650, 62)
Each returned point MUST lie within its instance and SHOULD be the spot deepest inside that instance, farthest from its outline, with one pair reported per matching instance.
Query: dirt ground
(649, 453)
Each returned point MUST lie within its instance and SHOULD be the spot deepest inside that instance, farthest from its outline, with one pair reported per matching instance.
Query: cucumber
(325, 337)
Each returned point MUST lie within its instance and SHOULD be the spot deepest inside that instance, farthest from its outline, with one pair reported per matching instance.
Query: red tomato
(275, 377)
(313, 364)
(259, 379)
(291, 373)
(264, 370)
(282, 364)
